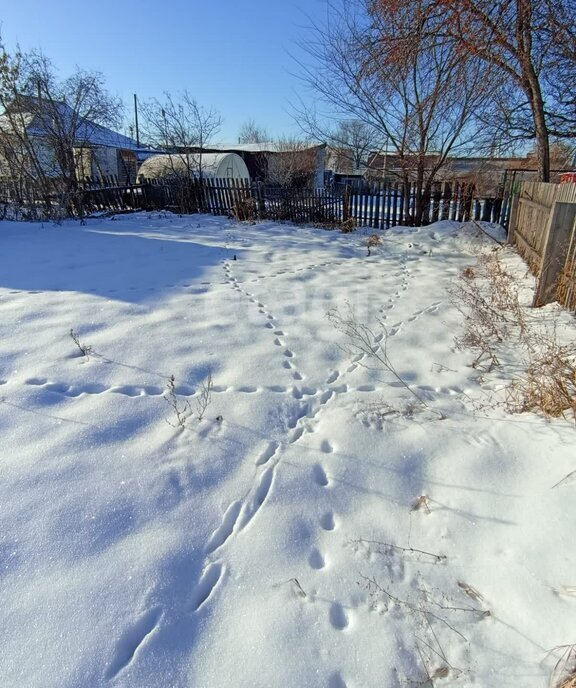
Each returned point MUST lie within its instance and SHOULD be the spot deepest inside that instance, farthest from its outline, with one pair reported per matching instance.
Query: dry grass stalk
(422, 503)
(361, 339)
(205, 396)
(181, 408)
(564, 671)
(348, 226)
(549, 381)
(84, 349)
(245, 210)
(488, 297)
(371, 242)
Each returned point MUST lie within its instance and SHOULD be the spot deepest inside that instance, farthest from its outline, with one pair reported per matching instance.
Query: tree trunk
(542, 137)
(531, 86)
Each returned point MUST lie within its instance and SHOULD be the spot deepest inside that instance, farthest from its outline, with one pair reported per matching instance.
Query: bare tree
(48, 125)
(421, 95)
(181, 126)
(293, 163)
(250, 132)
(351, 141)
(532, 44)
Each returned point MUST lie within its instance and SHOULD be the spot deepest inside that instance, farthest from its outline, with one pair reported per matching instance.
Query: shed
(212, 165)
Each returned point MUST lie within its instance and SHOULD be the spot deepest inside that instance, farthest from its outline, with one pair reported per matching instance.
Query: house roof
(269, 147)
(35, 118)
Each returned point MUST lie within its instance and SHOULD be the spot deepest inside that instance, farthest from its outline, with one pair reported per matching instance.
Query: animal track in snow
(223, 532)
(326, 447)
(261, 492)
(97, 388)
(319, 475)
(341, 389)
(338, 617)
(334, 375)
(430, 309)
(300, 392)
(336, 681)
(327, 521)
(205, 586)
(132, 640)
(316, 560)
(296, 435)
(302, 412)
(267, 454)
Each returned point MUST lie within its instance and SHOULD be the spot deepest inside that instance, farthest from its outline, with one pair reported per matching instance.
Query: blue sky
(232, 56)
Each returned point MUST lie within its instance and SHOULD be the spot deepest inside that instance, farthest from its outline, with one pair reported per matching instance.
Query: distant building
(487, 174)
(48, 125)
(189, 165)
(278, 162)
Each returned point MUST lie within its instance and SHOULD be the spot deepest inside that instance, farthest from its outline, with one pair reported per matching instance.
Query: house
(344, 166)
(49, 138)
(486, 173)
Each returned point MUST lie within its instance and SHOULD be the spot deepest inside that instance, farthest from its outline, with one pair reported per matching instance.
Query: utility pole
(136, 120)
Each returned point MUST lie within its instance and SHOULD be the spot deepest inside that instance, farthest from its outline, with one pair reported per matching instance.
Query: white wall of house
(96, 161)
(46, 158)
(104, 161)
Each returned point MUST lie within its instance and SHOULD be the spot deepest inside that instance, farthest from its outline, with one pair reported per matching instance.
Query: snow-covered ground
(300, 534)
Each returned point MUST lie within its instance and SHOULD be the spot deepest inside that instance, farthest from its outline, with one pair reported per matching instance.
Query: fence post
(346, 204)
(261, 200)
(514, 203)
(557, 239)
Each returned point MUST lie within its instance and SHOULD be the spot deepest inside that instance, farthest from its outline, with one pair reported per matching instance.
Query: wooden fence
(374, 205)
(542, 226)
(566, 286)
(378, 206)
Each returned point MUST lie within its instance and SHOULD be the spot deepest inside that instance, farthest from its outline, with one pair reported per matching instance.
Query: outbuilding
(209, 165)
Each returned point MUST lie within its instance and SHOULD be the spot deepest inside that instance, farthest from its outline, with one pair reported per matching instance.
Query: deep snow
(275, 542)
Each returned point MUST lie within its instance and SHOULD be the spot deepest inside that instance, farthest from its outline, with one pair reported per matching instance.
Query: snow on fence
(543, 228)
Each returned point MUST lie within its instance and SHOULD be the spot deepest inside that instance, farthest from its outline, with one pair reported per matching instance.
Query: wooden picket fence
(543, 228)
(372, 205)
(566, 288)
(377, 206)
